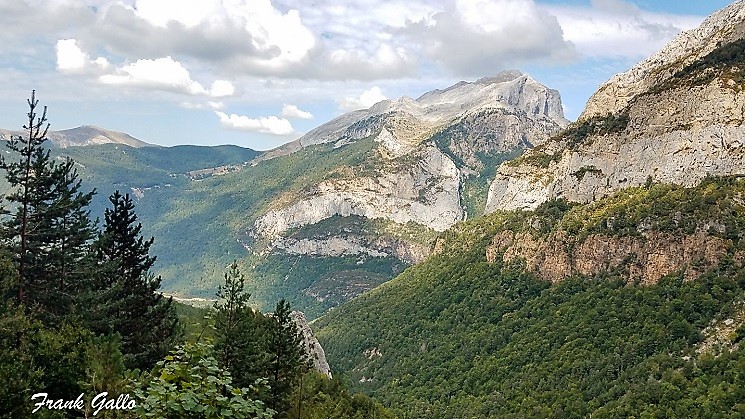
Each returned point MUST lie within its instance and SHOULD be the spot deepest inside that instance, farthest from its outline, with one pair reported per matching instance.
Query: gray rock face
(426, 193)
(677, 134)
(312, 347)
(722, 27)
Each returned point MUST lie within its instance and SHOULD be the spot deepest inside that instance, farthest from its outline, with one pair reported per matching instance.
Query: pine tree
(49, 231)
(241, 334)
(230, 309)
(126, 290)
(288, 358)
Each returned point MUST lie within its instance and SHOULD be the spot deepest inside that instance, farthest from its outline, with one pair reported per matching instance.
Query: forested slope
(469, 334)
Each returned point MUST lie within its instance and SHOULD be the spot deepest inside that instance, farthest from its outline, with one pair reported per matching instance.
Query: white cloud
(222, 88)
(208, 105)
(364, 100)
(616, 28)
(188, 13)
(72, 59)
(164, 74)
(281, 39)
(292, 111)
(478, 37)
(264, 125)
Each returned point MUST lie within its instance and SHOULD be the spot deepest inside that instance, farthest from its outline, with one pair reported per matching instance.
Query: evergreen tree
(49, 231)
(241, 333)
(126, 290)
(230, 309)
(288, 358)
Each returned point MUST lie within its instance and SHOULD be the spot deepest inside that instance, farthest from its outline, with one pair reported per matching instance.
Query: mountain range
(472, 253)
(339, 211)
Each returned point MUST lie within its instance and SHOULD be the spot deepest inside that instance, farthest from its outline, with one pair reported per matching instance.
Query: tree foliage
(189, 383)
(48, 230)
(126, 289)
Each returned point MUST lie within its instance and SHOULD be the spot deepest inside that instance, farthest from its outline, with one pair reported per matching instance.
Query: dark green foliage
(457, 336)
(288, 360)
(726, 62)
(126, 291)
(241, 335)
(580, 174)
(536, 157)
(577, 133)
(319, 397)
(302, 276)
(574, 136)
(48, 230)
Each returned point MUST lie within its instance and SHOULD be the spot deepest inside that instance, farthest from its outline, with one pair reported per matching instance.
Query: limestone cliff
(644, 259)
(677, 117)
(407, 169)
(425, 193)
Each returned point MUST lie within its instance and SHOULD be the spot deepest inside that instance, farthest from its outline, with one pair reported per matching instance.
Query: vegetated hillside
(475, 332)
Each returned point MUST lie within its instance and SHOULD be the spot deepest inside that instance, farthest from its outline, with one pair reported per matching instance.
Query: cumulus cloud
(617, 28)
(264, 125)
(251, 37)
(222, 88)
(292, 111)
(72, 59)
(364, 100)
(478, 37)
(164, 74)
(213, 105)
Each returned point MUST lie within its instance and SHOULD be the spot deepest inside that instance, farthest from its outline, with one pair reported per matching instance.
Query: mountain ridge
(676, 128)
(85, 135)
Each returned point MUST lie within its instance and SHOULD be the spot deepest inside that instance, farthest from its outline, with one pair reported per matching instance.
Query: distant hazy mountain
(85, 135)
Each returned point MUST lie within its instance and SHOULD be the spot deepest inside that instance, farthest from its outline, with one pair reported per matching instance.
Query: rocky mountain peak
(676, 117)
(510, 90)
(722, 27)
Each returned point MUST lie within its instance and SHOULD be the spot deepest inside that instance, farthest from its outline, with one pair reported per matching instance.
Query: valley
(468, 253)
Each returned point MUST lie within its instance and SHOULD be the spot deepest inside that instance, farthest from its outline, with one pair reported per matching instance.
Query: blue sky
(259, 73)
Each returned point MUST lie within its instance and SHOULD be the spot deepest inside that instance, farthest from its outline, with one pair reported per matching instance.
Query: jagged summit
(509, 90)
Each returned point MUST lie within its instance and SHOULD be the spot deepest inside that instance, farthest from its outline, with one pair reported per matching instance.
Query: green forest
(84, 330)
(460, 337)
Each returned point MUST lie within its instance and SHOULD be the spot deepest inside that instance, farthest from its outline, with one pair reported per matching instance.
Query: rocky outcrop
(312, 347)
(408, 163)
(643, 259)
(412, 121)
(425, 193)
(663, 121)
(679, 136)
(425, 148)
